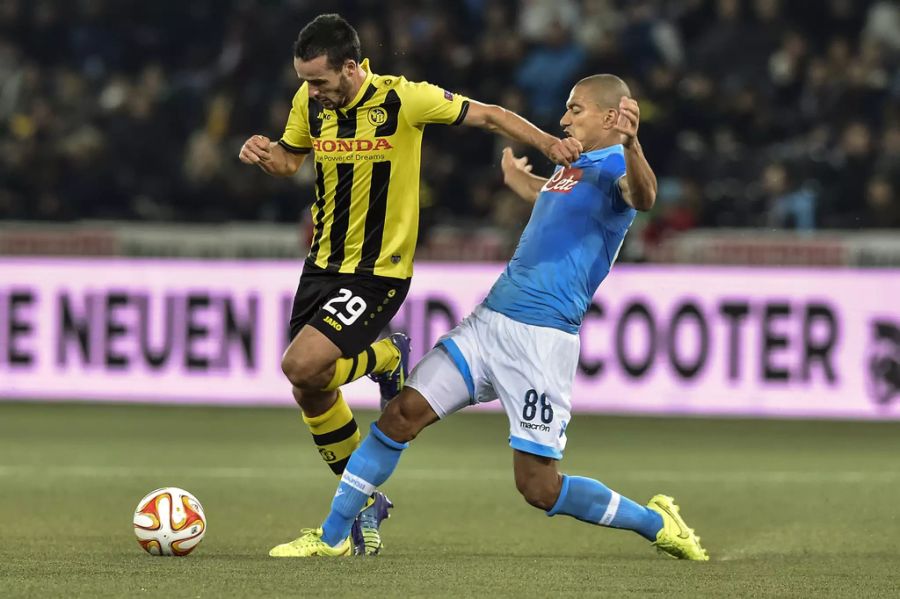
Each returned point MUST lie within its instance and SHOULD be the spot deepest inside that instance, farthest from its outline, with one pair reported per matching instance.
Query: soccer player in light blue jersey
(521, 344)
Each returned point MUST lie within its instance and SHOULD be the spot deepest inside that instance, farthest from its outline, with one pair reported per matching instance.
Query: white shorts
(490, 356)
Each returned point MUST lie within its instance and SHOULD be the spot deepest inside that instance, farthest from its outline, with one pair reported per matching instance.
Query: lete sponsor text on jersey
(563, 180)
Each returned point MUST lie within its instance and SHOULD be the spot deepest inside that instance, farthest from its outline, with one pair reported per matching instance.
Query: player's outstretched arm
(270, 156)
(638, 186)
(498, 119)
(517, 176)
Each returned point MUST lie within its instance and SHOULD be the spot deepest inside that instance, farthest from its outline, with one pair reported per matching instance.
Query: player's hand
(256, 150)
(564, 151)
(510, 163)
(629, 119)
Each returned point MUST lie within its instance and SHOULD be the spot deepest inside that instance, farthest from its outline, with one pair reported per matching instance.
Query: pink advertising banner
(656, 340)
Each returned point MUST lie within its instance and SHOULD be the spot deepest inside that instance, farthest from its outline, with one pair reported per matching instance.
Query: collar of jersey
(362, 88)
(595, 155)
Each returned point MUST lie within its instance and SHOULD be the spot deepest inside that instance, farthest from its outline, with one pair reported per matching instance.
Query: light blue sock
(591, 501)
(369, 466)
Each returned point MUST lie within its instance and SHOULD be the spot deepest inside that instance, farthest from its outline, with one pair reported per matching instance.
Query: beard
(341, 95)
(344, 88)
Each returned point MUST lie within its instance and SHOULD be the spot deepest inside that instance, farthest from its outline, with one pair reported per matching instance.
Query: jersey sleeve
(296, 132)
(424, 103)
(612, 170)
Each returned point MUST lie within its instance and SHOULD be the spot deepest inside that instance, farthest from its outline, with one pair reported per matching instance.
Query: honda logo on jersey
(351, 145)
(563, 180)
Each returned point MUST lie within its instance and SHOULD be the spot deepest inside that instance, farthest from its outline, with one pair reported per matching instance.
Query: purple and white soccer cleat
(391, 383)
(364, 533)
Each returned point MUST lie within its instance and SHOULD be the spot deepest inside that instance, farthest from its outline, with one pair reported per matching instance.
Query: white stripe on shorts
(357, 483)
(611, 509)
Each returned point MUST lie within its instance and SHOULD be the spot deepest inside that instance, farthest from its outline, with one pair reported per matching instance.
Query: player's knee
(401, 420)
(539, 491)
(298, 371)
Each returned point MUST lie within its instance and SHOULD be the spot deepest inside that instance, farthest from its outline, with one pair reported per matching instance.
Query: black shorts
(351, 310)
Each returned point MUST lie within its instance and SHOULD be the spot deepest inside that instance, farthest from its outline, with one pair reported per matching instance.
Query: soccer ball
(169, 521)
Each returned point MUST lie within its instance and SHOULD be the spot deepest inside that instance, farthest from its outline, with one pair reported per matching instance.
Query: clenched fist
(256, 150)
(629, 119)
(564, 151)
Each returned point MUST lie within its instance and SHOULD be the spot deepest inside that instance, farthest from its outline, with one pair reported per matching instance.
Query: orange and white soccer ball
(169, 521)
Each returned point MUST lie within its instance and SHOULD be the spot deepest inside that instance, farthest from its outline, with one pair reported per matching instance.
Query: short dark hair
(330, 35)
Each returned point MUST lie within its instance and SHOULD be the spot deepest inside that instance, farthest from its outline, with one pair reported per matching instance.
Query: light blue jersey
(569, 245)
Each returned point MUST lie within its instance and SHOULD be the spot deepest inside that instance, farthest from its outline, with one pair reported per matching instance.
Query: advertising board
(656, 340)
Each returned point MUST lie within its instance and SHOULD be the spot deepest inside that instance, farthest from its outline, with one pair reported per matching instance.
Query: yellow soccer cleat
(310, 544)
(675, 538)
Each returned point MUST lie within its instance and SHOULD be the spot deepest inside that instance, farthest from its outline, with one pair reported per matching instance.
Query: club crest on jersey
(377, 116)
(563, 180)
(351, 145)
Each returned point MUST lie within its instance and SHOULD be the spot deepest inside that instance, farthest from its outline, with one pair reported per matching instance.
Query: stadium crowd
(755, 113)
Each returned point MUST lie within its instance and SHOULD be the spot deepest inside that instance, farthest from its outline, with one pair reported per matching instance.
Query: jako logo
(351, 145)
(884, 362)
(563, 180)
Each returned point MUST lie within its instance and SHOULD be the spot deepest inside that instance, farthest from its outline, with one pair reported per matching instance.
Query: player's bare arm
(638, 186)
(270, 156)
(499, 120)
(518, 177)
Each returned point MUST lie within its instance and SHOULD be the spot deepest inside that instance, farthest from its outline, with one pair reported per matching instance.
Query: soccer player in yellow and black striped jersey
(365, 133)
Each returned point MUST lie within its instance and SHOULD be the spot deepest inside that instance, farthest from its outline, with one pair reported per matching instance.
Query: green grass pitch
(785, 509)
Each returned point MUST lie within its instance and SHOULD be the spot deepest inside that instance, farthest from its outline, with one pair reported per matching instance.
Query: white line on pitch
(686, 476)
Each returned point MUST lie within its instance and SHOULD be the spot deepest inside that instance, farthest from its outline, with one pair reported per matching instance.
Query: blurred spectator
(852, 164)
(539, 18)
(790, 206)
(676, 210)
(883, 25)
(779, 113)
(548, 71)
(882, 209)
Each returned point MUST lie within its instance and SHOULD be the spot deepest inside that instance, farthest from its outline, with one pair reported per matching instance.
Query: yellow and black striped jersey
(367, 157)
